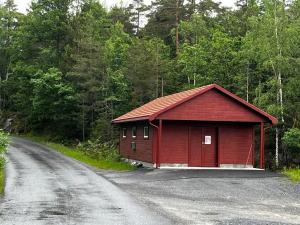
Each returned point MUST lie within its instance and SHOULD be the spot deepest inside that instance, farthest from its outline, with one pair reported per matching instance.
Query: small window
(133, 146)
(146, 132)
(124, 132)
(133, 132)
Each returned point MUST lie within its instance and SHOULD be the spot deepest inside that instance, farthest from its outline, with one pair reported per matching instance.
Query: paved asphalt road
(46, 188)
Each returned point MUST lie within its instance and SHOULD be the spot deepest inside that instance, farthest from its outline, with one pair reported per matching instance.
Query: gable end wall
(212, 106)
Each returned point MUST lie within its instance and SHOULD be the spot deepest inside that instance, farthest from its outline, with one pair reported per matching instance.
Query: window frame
(146, 136)
(124, 129)
(132, 129)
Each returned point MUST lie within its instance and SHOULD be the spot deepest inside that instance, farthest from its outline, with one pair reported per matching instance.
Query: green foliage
(2, 180)
(4, 141)
(53, 101)
(145, 70)
(109, 160)
(291, 139)
(67, 67)
(98, 150)
(293, 174)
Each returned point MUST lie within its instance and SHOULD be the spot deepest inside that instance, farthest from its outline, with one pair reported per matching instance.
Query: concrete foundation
(185, 166)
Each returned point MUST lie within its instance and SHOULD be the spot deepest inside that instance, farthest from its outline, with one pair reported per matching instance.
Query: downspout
(157, 144)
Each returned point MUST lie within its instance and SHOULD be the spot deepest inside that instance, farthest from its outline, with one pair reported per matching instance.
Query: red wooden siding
(195, 146)
(174, 143)
(209, 151)
(236, 144)
(213, 106)
(143, 150)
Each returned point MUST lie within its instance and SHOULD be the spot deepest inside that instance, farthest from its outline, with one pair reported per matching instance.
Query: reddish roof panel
(158, 104)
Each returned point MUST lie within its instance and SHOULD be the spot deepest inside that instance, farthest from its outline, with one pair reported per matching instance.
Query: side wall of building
(143, 151)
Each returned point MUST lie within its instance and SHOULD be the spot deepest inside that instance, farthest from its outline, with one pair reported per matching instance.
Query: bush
(292, 173)
(2, 162)
(291, 140)
(3, 142)
(3, 146)
(98, 150)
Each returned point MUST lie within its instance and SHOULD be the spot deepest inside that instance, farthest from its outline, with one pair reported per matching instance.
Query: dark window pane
(124, 132)
(146, 132)
(134, 132)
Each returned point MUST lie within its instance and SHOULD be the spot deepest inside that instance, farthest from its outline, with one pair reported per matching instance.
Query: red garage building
(203, 127)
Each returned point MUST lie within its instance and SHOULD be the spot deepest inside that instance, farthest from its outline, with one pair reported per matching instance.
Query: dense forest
(68, 67)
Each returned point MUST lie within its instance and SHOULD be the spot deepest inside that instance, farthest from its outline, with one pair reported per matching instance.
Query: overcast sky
(23, 4)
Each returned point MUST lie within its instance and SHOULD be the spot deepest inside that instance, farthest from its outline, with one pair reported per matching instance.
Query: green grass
(80, 156)
(293, 174)
(1, 181)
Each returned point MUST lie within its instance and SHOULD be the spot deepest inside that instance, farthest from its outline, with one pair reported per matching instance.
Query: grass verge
(293, 174)
(81, 156)
(1, 181)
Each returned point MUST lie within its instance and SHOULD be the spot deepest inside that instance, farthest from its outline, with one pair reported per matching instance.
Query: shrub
(98, 150)
(3, 142)
(291, 140)
(292, 173)
(3, 146)
(2, 162)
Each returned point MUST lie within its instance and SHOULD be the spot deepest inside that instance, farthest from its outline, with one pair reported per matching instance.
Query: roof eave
(116, 121)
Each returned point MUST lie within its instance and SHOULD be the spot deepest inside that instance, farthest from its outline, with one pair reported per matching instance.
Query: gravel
(215, 196)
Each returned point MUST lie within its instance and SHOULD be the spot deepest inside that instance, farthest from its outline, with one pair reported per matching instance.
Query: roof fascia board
(130, 119)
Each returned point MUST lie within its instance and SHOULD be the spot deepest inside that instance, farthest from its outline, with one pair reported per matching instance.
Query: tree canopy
(68, 67)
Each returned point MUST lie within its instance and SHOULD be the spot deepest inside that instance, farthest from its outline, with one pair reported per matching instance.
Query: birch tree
(267, 40)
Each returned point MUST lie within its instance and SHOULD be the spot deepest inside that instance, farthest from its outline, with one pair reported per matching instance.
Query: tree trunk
(83, 121)
(276, 146)
(162, 86)
(177, 27)
(194, 79)
(157, 74)
(247, 88)
(279, 78)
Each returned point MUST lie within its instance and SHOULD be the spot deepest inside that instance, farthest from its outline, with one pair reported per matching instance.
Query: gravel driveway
(46, 188)
(215, 197)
